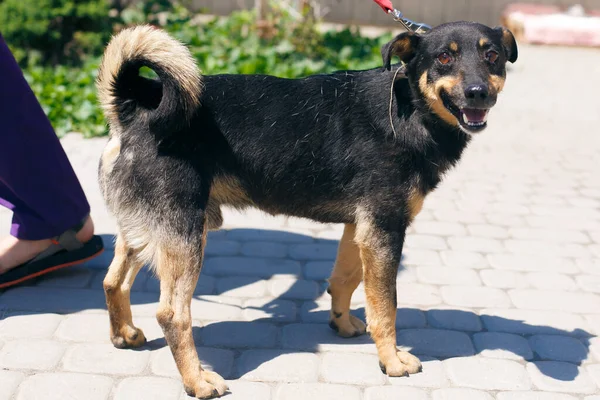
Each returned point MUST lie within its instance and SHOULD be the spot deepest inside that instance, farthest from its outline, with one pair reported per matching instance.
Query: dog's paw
(209, 387)
(403, 364)
(128, 338)
(346, 325)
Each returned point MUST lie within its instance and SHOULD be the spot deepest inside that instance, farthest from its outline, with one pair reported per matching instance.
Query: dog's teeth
(466, 119)
(485, 117)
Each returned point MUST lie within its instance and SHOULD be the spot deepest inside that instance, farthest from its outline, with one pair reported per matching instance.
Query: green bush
(294, 48)
(55, 31)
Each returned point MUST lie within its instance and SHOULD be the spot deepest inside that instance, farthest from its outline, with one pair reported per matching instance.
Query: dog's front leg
(380, 242)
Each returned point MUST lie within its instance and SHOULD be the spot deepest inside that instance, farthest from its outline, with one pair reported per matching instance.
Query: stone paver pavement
(499, 290)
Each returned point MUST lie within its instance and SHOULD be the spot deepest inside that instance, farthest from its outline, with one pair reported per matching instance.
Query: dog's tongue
(474, 115)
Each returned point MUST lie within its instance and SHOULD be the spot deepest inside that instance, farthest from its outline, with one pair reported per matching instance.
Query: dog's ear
(404, 46)
(509, 43)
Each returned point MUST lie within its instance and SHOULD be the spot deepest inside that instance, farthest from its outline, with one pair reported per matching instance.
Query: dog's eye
(491, 56)
(444, 58)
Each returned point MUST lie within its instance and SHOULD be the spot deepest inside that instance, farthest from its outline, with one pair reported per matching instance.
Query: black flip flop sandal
(64, 251)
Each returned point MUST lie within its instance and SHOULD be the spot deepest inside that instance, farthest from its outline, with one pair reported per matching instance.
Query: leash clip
(409, 25)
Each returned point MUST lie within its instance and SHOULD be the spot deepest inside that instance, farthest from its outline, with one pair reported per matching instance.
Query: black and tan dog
(362, 148)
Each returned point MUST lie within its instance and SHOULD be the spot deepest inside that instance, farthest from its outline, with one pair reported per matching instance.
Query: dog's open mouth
(472, 120)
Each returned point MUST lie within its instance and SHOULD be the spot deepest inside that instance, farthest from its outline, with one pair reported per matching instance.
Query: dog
(360, 148)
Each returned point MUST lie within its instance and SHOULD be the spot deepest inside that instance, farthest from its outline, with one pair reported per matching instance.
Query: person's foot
(14, 252)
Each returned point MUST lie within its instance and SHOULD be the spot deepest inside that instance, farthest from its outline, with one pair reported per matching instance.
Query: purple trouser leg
(37, 181)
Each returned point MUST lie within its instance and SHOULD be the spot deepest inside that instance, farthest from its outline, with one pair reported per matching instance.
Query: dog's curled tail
(127, 97)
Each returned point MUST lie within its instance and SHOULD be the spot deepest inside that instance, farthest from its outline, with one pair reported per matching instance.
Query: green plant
(55, 31)
(68, 96)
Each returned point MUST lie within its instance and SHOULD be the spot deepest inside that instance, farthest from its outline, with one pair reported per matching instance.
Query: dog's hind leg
(179, 265)
(117, 286)
(345, 278)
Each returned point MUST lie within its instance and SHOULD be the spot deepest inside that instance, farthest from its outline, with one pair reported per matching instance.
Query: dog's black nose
(476, 92)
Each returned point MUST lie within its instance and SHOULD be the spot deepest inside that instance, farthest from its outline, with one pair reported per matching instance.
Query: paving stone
(149, 388)
(448, 276)
(239, 335)
(29, 326)
(217, 360)
(505, 220)
(533, 396)
(425, 242)
(31, 354)
(594, 371)
(139, 285)
(222, 248)
(432, 376)
(406, 274)
(205, 285)
(410, 318)
(85, 328)
(594, 323)
(487, 374)
(278, 366)
(534, 322)
(241, 286)
(294, 289)
(418, 294)
(242, 390)
(245, 266)
(421, 258)
(72, 277)
(320, 337)
(554, 376)
(102, 261)
(264, 249)
(503, 279)
(352, 368)
(105, 359)
(64, 385)
(53, 299)
(477, 244)
(472, 296)
(550, 235)
(316, 311)
(313, 251)
(453, 215)
(436, 343)
(316, 391)
(268, 236)
(534, 247)
(269, 309)
(555, 300)
(10, 380)
(558, 348)
(460, 394)
(464, 259)
(542, 263)
(594, 346)
(551, 281)
(216, 308)
(439, 228)
(502, 345)
(395, 392)
(453, 319)
(488, 231)
(589, 283)
(318, 270)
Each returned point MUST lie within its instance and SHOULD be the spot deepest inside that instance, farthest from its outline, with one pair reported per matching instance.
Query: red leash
(386, 5)
(388, 8)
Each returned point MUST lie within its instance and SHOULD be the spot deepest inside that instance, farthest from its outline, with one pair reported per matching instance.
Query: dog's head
(456, 70)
